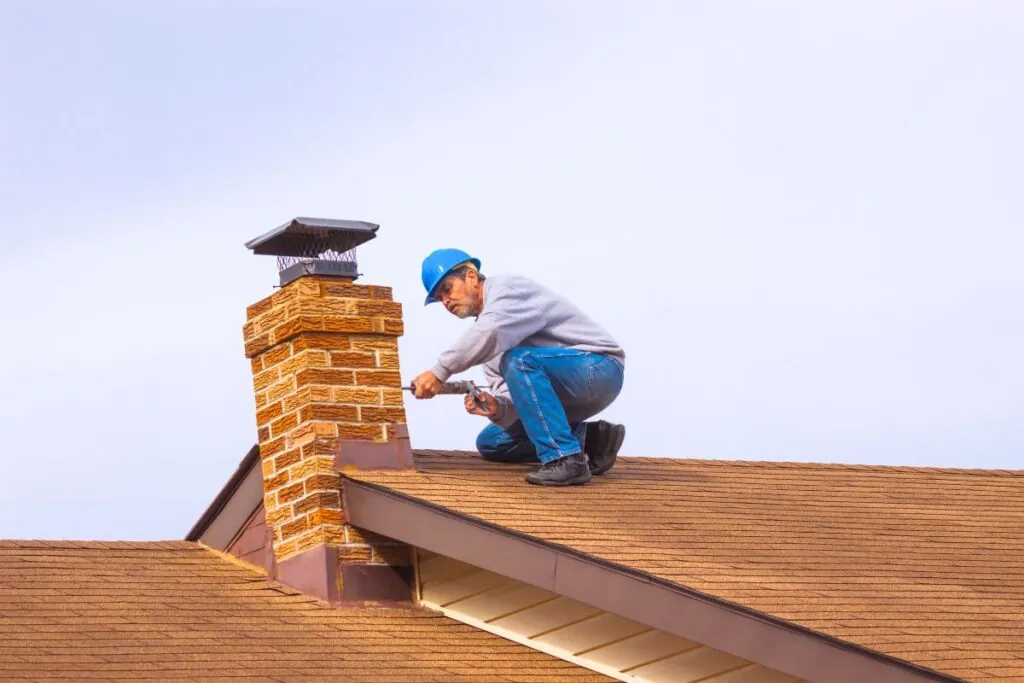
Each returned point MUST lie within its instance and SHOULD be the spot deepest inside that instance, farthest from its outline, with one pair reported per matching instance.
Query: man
(550, 365)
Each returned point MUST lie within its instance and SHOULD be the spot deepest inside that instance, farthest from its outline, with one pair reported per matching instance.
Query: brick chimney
(324, 354)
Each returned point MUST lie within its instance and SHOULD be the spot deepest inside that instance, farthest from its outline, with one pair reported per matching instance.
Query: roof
(924, 565)
(163, 609)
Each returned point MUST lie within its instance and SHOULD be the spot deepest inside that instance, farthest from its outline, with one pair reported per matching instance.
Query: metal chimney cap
(315, 246)
(307, 237)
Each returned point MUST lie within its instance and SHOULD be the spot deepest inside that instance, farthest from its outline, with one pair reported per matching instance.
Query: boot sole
(618, 437)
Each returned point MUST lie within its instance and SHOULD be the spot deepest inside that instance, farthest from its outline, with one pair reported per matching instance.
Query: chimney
(324, 354)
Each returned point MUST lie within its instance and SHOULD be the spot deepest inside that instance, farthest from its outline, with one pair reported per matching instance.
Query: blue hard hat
(438, 265)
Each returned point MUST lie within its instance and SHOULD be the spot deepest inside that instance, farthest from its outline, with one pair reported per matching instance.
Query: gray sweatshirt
(518, 311)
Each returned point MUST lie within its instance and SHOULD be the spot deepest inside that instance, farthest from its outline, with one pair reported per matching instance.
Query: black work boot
(570, 470)
(602, 445)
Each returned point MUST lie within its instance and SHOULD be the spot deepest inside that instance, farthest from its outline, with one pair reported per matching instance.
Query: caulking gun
(464, 386)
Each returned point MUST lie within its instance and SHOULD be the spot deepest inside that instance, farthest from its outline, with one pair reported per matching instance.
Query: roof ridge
(779, 464)
(84, 544)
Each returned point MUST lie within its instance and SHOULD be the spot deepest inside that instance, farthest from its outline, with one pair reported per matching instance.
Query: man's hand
(426, 385)
(490, 403)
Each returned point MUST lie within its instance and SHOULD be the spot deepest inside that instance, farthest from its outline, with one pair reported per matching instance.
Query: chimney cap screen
(311, 237)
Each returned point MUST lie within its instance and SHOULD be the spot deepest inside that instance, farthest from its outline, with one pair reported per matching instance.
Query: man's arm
(508, 319)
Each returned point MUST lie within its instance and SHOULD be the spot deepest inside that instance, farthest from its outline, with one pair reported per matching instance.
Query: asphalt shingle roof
(176, 610)
(921, 564)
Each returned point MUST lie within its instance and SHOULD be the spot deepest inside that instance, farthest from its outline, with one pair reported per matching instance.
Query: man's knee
(497, 445)
(487, 442)
(492, 443)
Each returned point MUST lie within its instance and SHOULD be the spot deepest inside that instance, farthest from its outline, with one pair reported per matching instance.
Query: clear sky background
(803, 220)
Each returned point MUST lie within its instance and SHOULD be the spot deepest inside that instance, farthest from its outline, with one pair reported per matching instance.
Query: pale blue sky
(802, 221)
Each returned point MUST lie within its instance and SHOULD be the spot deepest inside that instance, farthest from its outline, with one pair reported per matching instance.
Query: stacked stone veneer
(324, 355)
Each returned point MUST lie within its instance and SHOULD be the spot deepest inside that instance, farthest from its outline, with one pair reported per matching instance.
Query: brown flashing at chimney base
(328, 571)
(376, 582)
(314, 572)
(319, 572)
(363, 454)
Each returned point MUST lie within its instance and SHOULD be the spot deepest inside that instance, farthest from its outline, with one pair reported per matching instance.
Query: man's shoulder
(515, 281)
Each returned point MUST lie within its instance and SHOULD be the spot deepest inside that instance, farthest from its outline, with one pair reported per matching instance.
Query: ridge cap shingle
(423, 454)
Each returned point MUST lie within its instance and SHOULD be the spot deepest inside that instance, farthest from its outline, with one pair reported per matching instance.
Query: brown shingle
(163, 610)
(922, 564)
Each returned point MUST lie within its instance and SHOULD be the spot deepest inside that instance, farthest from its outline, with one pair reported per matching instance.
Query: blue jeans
(554, 390)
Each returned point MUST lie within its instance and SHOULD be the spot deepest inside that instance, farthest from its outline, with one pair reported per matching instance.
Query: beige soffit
(603, 642)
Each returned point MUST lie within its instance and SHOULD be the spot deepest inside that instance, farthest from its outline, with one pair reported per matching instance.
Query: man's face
(463, 297)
